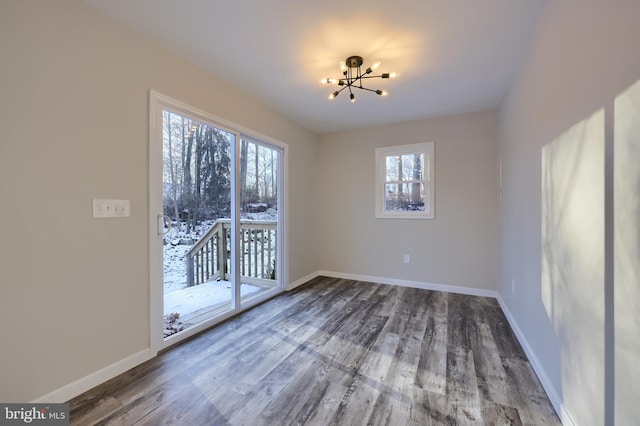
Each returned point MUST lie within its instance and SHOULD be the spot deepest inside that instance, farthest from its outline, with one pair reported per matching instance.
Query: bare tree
(400, 178)
(257, 174)
(172, 172)
(415, 188)
(187, 140)
(244, 157)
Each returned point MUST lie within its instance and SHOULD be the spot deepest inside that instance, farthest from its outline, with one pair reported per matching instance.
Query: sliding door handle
(163, 220)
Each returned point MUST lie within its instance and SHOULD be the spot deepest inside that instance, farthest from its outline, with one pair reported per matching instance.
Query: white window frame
(157, 103)
(428, 178)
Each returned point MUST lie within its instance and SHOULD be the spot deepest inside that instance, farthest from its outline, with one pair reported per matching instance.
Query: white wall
(458, 248)
(627, 254)
(74, 126)
(558, 128)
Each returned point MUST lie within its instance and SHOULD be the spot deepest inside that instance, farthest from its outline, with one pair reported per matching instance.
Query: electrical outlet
(406, 258)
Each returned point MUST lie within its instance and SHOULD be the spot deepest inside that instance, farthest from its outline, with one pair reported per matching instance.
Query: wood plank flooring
(336, 352)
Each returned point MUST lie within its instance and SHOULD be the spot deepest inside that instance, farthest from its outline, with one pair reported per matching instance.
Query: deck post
(189, 261)
(221, 235)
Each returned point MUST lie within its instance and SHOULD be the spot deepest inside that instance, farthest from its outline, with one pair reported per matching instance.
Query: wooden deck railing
(208, 259)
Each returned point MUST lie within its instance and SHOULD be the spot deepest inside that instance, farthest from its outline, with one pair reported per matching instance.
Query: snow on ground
(175, 267)
(174, 261)
(201, 296)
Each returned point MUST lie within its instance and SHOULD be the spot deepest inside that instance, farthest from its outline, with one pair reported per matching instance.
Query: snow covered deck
(198, 303)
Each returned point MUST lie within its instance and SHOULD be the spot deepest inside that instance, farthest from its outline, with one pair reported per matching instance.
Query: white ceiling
(452, 56)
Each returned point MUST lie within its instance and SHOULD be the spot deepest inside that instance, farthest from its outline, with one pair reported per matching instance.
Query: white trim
(283, 220)
(246, 304)
(98, 377)
(180, 107)
(235, 221)
(71, 390)
(155, 163)
(552, 393)
(415, 284)
(428, 179)
(303, 280)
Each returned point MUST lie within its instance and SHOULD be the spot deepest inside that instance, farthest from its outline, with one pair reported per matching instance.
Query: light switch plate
(111, 208)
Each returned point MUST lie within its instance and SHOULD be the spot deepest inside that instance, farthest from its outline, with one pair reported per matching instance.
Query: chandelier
(353, 77)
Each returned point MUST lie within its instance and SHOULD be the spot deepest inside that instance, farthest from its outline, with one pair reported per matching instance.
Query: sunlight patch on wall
(572, 255)
(627, 254)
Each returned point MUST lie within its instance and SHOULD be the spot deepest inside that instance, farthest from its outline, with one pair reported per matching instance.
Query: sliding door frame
(157, 104)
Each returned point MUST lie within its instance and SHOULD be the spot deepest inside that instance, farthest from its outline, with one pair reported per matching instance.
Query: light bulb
(343, 66)
(333, 95)
(393, 75)
(353, 98)
(375, 66)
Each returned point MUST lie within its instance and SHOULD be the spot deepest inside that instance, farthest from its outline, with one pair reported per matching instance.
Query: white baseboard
(71, 390)
(96, 378)
(415, 284)
(551, 391)
(302, 280)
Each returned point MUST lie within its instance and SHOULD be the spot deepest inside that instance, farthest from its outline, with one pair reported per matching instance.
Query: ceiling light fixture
(353, 76)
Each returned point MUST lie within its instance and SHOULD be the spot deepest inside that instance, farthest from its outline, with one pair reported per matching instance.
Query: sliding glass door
(216, 197)
(259, 214)
(196, 205)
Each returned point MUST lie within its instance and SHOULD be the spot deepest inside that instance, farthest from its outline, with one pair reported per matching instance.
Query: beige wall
(458, 248)
(557, 123)
(74, 126)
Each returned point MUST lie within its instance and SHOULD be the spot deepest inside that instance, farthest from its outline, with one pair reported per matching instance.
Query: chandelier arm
(369, 90)
(338, 92)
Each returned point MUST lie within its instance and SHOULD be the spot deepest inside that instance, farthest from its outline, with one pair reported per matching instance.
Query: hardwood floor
(336, 352)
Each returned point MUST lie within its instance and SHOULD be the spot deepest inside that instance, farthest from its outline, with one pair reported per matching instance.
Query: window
(404, 181)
